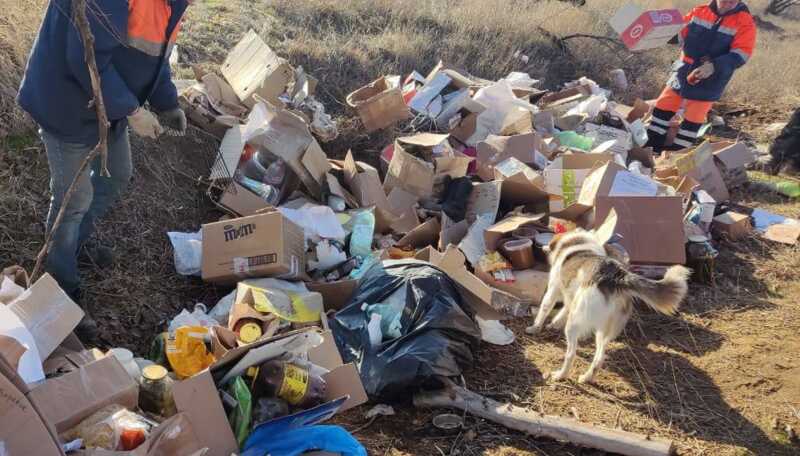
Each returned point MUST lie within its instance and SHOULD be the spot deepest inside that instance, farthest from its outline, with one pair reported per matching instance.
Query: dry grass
(713, 379)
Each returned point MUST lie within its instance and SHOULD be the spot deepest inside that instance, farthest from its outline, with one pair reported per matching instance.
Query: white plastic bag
(494, 332)
(318, 222)
(197, 317)
(188, 252)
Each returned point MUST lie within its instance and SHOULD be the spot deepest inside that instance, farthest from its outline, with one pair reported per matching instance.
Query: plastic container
(248, 330)
(525, 232)
(639, 132)
(267, 192)
(520, 253)
(155, 391)
(125, 357)
(572, 140)
(374, 329)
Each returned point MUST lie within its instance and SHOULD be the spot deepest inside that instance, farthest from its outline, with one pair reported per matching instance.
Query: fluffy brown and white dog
(598, 293)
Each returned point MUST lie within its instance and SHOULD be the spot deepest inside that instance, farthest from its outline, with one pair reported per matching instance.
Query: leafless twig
(82, 23)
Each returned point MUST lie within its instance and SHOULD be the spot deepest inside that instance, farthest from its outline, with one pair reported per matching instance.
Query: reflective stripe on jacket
(726, 40)
(133, 39)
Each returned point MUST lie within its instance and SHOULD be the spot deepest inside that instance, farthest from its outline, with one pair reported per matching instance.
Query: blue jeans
(90, 201)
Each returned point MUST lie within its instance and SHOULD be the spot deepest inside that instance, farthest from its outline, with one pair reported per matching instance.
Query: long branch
(81, 22)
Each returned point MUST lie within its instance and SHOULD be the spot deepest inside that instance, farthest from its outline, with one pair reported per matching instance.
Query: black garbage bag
(438, 332)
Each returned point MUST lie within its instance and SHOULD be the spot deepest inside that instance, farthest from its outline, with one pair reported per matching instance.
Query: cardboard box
(565, 176)
(48, 313)
(410, 173)
(505, 227)
(641, 30)
(651, 228)
(521, 185)
(529, 284)
(528, 148)
(697, 163)
(252, 68)
(335, 295)
(66, 400)
(425, 145)
(23, 430)
(732, 225)
(263, 245)
(732, 159)
(241, 201)
(379, 104)
(487, 302)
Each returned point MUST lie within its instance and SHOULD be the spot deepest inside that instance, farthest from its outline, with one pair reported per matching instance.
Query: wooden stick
(538, 425)
(82, 23)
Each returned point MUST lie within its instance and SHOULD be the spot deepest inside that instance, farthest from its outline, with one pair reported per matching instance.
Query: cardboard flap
(505, 227)
(733, 155)
(422, 236)
(410, 173)
(242, 201)
(22, 431)
(252, 67)
(605, 232)
(454, 167)
(48, 313)
(424, 139)
(343, 381)
(207, 416)
(11, 351)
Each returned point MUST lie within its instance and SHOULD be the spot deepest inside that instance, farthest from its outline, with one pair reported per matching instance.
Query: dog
(598, 292)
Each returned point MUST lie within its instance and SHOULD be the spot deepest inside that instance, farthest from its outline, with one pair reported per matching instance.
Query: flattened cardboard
(783, 233)
(651, 228)
(484, 200)
(409, 173)
(23, 431)
(207, 416)
(252, 68)
(379, 104)
(732, 225)
(48, 313)
(242, 201)
(66, 400)
(263, 245)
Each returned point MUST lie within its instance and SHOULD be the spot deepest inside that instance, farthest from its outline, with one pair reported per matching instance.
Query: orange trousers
(694, 111)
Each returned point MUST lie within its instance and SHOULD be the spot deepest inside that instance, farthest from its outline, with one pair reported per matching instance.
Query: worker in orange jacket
(718, 39)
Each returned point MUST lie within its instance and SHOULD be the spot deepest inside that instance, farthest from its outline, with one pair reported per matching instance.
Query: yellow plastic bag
(187, 352)
(302, 307)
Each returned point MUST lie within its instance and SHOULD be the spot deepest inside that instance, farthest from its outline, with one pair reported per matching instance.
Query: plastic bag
(438, 332)
(111, 428)
(294, 442)
(188, 252)
(239, 417)
(318, 222)
(197, 317)
(187, 352)
(222, 310)
(363, 232)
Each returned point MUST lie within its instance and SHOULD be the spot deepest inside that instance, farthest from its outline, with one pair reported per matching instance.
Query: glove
(145, 124)
(704, 71)
(175, 119)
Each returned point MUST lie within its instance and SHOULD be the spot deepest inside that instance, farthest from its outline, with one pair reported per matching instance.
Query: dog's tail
(663, 295)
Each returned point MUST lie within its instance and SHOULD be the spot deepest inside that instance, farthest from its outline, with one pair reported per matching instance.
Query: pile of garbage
(356, 281)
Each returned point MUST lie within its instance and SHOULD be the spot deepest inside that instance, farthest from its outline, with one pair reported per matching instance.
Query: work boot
(98, 255)
(86, 330)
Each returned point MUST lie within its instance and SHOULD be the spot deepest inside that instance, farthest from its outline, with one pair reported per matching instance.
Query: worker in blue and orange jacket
(133, 41)
(718, 39)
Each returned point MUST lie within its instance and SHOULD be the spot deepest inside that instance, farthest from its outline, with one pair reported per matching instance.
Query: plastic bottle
(639, 132)
(363, 232)
(374, 329)
(573, 140)
(267, 192)
(290, 382)
(275, 169)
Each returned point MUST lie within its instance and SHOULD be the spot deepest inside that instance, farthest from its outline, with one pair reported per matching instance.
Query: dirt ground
(721, 378)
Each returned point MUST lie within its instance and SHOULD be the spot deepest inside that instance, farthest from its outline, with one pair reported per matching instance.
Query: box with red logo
(263, 245)
(641, 30)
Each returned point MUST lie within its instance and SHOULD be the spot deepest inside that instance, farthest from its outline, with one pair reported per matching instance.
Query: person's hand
(704, 71)
(144, 123)
(175, 119)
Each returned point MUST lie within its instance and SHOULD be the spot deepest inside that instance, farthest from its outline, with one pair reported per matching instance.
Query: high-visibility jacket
(726, 40)
(133, 40)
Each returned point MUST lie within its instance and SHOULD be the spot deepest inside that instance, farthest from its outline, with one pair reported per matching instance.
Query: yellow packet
(288, 305)
(187, 352)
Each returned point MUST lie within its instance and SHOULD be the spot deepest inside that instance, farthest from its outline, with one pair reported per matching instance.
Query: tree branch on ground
(81, 22)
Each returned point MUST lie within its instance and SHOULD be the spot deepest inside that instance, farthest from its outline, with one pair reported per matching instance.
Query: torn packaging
(262, 245)
(379, 104)
(252, 68)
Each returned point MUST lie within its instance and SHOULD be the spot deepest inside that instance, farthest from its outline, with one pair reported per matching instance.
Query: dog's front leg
(549, 301)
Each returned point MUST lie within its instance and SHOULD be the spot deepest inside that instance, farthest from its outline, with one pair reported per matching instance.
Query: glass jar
(155, 391)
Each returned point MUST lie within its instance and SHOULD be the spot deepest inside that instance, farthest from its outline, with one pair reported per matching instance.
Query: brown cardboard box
(783, 233)
(565, 176)
(252, 68)
(425, 145)
(335, 295)
(528, 148)
(23, 431)
(379, 105)
(732, 225)
(66, 400)
(242, 201)
(365, 184)
(198, 399)
(48, 313)
(505, 227)
(409, 173)
(732, 159)
(651, 227)
(697, 163)
(263, 245)
(529, 284)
